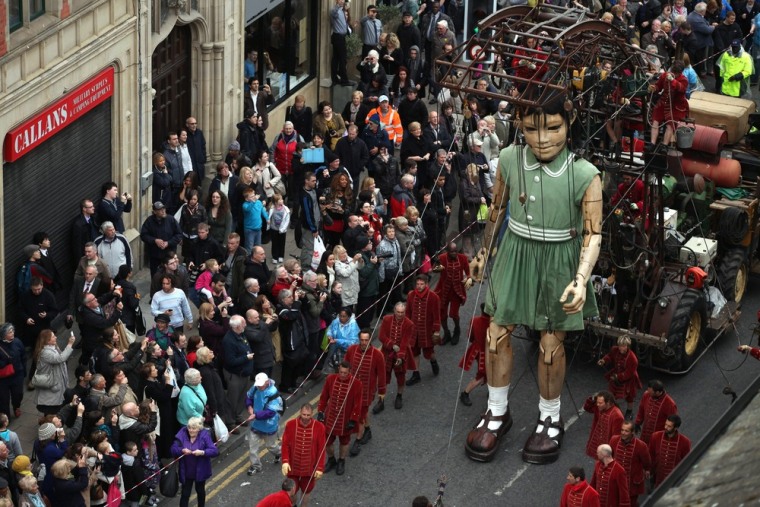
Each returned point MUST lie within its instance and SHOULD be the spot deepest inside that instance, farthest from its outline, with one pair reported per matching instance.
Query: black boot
(330, 464)
(341, 467)
(464, 396)
(398, 403)
(446, 335)
(457, 332)
(414, 379)
(434, 365)
(355, 449)
(379, 406)
(367, 436)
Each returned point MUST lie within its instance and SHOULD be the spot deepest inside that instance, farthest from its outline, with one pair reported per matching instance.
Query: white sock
(498, 399)
(548, 408)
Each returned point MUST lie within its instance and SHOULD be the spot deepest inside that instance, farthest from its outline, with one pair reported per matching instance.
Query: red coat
(579, 495)
(477, 346)
(635, 195)
(524, 70)
(666, 453)
(401, 333)
(455, 271)
(424, 309)
(672, 104)
(341, 402)
(633, 456)
(302, 447)
(612, 484)
(369, 368)
(605, 426)
(279, 499)
(626, 371)
(652, 414)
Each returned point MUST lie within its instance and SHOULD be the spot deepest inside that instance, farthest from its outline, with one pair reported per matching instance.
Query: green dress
(538, 255)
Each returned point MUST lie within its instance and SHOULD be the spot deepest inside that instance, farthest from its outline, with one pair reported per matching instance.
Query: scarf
(354, 110)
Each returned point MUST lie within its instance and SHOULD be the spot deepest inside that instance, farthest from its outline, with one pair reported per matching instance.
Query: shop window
(281, 47)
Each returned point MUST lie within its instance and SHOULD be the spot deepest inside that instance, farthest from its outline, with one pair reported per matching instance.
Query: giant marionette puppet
(541, 269)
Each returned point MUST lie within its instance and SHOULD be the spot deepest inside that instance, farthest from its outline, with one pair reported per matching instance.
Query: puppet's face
(545, 134)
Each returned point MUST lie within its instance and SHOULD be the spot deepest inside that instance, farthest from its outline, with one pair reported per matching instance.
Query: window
(18, 11)
(281, 46)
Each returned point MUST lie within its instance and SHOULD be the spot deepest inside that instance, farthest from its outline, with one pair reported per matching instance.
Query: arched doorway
(171, 80)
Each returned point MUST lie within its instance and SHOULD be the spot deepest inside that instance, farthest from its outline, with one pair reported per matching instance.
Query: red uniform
(424, 310)
(341, 402)
(397, 332)
(612, 484)
(303, 449)
(633, 456)
(635, 195)
(579, 495)
(477, 346)
(369, 368)
(279, 499)
(605, 426)
(672, 105)
(525, 71)
(450, 287)
(623, 378)
(755, 352)
(652, 414)
(666, 453)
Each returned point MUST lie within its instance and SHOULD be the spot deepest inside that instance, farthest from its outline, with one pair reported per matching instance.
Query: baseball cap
(261, 379)
(158, 205)
(383, 98)
(477, 142)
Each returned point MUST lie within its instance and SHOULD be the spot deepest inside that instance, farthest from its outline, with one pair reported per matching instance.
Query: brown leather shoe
(540, 449)
(482, 443)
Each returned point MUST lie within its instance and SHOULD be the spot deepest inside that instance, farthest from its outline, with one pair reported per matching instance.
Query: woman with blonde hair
(245, 181)
(355, 111)
(212, 327)
(70, 482)
(212, 384)
(369, 192)
(30, 493)
(347, 273)
(268, 314)
(391, 56)
(196, 446)
(51, 365)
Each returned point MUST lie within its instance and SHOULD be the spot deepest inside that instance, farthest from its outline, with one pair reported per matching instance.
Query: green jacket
(369, 280)
(731, 65)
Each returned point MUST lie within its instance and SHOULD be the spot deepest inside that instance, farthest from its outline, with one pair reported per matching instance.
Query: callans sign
(59, 115)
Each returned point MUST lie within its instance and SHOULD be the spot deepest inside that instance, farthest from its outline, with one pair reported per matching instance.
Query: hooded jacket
(267, 406)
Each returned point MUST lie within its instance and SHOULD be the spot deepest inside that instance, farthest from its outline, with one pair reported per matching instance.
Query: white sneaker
(280, 260)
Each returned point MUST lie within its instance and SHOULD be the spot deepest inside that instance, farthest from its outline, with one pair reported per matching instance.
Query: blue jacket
(236, 350)
(702, 30)
(254, 215)
(267, 413)
(192, 401)
(344, 335)
(197, 468)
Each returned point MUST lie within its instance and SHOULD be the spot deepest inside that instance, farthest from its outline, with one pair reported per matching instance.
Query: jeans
(252, 238)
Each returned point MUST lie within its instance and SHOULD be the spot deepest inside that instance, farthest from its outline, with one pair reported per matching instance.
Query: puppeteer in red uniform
(452, 289)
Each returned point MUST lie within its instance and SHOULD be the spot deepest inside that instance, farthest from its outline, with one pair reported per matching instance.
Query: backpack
(282, 400)
(24, 277)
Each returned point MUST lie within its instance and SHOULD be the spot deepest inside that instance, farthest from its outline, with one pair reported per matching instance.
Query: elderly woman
(30, 493)
(196, 445)
(212, 384)
(346, 272)
(12, 387)
(52, 369)
(283, 149)
(70, 479)
(49, 447)
(192, 397)
(370, 67)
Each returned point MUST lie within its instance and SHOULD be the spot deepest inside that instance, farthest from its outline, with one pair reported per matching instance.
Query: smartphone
(269, 82)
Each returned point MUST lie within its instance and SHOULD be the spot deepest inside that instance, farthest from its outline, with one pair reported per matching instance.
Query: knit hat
(46, 431)
(21, 465)
(162, 317)
(29, 250)
(375, 118)
(234, 145)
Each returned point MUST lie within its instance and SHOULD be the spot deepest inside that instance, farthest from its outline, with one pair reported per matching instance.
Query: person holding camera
(51, 365)
(328, 125)
(111, 206)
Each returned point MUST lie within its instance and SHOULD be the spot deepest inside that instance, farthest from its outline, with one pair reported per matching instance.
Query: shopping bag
(220, 429)
(319, 249)
(168, 484)
(173, 382)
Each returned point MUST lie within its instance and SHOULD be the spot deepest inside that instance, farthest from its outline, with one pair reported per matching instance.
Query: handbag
(8, 370)
(220, 429)
(168, 484)
(126, 337)
(42, 380)
(139, 321)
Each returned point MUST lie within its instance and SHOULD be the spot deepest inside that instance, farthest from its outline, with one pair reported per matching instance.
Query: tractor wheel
(732, 274)
(686, 328)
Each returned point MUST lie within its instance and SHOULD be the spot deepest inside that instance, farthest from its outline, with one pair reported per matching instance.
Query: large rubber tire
(733, 273)
(686, 327)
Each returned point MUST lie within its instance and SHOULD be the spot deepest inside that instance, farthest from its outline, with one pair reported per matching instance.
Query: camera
(365, 227)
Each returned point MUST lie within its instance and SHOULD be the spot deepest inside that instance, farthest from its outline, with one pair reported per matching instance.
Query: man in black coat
(250, 134)
(437, 136)
(353, 153)
(83, 229)
(256, 267)
(37, 308)
(259, 337)
(196, 145)
(160, 232)
(412, 109)
(133, 430)
(408, 33)
(94, 321)
(351, 235)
